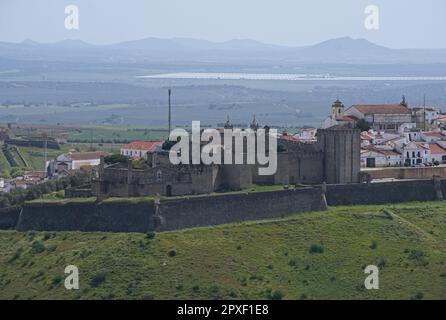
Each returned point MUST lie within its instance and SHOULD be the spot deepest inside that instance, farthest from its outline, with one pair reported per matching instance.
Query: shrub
(51, 248)
(381, 263)
(179, 287)
(293, 262)
(37, 247)
(316, 249)
(418, 257)
(56, 280)
(172, 253)
(16, 255)
(150, 235)
(48, 235)
(274, 295)
(116, 158)
(98, 279)
(418, 296)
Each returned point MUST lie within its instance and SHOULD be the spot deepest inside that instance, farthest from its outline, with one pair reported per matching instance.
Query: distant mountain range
(340, 50)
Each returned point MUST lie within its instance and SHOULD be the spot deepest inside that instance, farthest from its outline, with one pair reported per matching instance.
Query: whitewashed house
(438, 153)
(415, 153)
(380, 158)
(139, 149)
(428, 114)
(432, 136)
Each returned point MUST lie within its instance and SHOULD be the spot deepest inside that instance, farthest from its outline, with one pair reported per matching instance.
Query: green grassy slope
(257, 260)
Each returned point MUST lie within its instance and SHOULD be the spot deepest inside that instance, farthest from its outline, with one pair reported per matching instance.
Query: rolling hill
(340, 50)
(307, 256)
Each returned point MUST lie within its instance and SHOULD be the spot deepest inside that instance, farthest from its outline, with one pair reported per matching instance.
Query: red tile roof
(347, 118)
(436, 134)
(142, 145)
(289, 138)
(86, 155)
(382, 109)
(436, 149)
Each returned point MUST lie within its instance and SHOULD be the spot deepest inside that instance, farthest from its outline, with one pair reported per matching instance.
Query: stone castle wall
(146, 215)
(207, 211)
(139, 215)
(383, 193)
(407, 173)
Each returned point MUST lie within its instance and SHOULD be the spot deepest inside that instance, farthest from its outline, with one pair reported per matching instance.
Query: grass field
(257, 260)
(35, 157)
(119, 134)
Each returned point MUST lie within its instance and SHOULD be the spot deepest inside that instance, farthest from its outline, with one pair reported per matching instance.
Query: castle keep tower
(341, 147)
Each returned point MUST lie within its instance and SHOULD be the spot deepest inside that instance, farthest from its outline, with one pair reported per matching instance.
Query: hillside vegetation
(307, 256)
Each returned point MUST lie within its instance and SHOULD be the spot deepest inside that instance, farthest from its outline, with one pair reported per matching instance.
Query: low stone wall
(382, 193)
(407, 173)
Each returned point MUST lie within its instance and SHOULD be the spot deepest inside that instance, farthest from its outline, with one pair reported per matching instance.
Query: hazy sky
(403, 23)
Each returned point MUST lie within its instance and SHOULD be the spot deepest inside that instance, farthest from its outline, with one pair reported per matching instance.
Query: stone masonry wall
(140, 215)
(382, 193)
(122, 216)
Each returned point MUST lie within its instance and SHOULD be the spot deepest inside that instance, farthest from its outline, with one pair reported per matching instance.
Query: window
(159, 176)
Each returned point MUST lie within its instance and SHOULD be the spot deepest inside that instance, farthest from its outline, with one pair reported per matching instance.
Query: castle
(334, 159)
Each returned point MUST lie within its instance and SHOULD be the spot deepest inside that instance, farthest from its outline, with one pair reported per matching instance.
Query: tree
(5, 174)
(116, 158)
(16, 172)
(363, 125)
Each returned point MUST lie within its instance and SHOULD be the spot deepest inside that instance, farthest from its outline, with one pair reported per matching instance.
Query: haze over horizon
(403, 24)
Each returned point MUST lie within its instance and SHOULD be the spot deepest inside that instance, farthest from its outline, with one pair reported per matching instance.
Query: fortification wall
(9, 218)
(407, 173)
(382, 193)
(74, 216)
(173, 214)
(112, 216)
(207, 211)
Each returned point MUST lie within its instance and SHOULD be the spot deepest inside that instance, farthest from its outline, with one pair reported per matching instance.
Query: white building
(415, 153)
(338, 117)
(428, 114)
(139, 149)
(379, 158)
(74, 161)
(432, 136)
(438, 153)
(381, 116)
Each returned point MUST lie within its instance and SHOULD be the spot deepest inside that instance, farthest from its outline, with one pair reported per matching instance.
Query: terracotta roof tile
(86, 155)
(436, 149)
(143, 145)
(382, 109)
